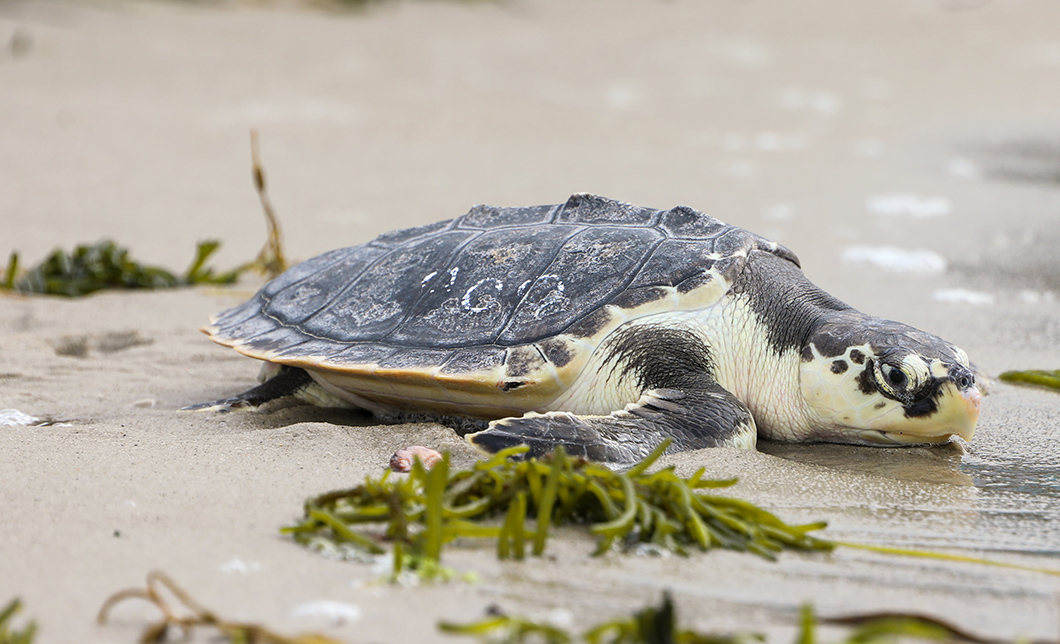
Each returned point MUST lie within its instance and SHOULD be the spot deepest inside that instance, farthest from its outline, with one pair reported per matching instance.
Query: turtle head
(877, 382)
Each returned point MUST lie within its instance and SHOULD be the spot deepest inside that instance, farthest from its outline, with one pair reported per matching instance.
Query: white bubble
(896, 260)
(15, 417)
(909, 205)
(240, 566)
(963, 169)
(746, 53)
(962, 296)
(336, 613)
(621, 96)
(779, 212)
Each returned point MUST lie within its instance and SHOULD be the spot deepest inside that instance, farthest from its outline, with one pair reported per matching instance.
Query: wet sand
(832, 126)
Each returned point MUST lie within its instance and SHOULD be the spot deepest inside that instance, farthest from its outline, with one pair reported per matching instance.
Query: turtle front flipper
(707, 416)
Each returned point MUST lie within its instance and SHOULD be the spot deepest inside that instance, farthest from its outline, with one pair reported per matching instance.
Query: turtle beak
(969, 401)
(957, 415)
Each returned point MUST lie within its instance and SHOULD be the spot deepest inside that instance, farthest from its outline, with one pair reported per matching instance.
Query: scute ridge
(468, 285)
(593, 209)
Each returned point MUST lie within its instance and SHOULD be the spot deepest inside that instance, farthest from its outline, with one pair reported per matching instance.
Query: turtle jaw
(957, 415)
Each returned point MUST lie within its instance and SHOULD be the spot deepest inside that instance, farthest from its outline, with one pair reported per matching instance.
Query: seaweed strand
(497, 498)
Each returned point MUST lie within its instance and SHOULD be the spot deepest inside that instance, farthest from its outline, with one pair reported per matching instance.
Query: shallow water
(1015, 473)
(1019, 497)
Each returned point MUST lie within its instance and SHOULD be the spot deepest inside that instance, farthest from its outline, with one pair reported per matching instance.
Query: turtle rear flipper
(288, 381)
(694, 418)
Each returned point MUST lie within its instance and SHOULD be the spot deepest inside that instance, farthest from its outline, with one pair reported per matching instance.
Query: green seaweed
(8, 633)
(496, 499)
(652, 625)
(10, 272)
(106, 265)
(1040, 377)
(658, 625)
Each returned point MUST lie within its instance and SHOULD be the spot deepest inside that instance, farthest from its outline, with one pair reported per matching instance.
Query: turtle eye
(893, 381)
(895, 377)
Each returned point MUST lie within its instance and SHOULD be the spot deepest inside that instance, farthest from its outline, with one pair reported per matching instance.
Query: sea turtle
(601, 326)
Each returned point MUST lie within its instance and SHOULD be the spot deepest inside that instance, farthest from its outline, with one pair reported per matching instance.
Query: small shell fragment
(403, 459)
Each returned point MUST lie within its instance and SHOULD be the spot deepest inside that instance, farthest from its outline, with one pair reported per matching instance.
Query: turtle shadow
(934, 464)
(279, 415)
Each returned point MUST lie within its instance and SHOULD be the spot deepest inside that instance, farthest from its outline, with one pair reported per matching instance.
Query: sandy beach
(908, 152)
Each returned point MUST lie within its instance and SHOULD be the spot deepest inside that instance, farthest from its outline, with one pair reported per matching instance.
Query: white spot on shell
(484, 301)
(553, 301)
(559, 282)
(452, 277)
(427, 278)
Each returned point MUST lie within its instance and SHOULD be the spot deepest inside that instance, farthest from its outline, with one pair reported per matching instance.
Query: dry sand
(826, 125)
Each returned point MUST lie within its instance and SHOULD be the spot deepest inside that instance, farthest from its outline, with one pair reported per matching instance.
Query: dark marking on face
(866, 381)
(926, 402)
(857, 357)
(839, 366)
(918, 403)
(924, 399)
(511, 384)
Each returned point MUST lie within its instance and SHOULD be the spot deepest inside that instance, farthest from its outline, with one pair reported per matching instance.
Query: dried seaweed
(270, 260)
(497, 498)
(651, 625)
(1040, 377)
(8, 633)
(196, 616)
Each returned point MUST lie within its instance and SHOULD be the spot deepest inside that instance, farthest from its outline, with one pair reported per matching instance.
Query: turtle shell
(495, 312)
